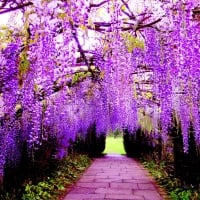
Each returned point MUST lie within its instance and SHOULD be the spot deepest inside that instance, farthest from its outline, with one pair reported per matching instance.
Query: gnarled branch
(17, 7)
(92, 5)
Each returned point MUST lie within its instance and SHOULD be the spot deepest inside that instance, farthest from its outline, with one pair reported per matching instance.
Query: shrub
(29, 168)
(54, 184)
(93, 144)
(136, 143)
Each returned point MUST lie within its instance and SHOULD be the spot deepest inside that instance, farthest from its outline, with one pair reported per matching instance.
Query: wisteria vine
(140, 67)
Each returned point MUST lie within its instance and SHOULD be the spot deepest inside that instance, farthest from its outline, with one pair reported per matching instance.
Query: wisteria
(143, 64)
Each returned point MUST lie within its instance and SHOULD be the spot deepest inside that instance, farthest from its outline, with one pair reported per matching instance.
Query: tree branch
(140, 26)
(3, 4)
(74, 33)
(92, 5)
(20, 6)
(131, 15)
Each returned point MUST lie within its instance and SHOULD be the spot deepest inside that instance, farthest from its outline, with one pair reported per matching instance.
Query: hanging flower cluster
(174, 58)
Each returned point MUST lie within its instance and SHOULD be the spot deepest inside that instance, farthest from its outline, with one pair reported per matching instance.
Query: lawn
(114, 145)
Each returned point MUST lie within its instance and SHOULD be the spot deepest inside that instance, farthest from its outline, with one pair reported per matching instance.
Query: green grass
(114, 145)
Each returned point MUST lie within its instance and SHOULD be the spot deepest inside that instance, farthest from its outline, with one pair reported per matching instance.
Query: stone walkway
(115, 177)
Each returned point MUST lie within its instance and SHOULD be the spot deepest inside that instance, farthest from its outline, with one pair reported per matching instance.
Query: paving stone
(93, 199)
(141, 177)
(92, 173)
(93, 185)
(84, 196)
(113, 191)
(108, 174)
(123, 197)
(136, 180)
(81, 190)
(108, 180)
(132, 173)
(149, 194)
(115, 178)
(146, 186)
(124, 185)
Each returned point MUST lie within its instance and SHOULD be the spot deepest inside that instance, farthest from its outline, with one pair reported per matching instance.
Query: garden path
(115, 177)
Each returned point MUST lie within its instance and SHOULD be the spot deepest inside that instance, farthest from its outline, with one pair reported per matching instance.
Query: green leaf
(132, 42)
(24, 63)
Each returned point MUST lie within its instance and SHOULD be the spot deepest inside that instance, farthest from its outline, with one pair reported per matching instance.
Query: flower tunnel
(70, 69)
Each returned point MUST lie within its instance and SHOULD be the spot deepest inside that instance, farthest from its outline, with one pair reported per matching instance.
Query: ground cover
(176, 188)
(54, 186)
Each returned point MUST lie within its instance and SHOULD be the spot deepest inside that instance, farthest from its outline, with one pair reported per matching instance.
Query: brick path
(115, 177)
